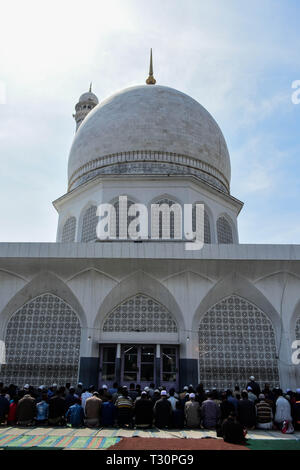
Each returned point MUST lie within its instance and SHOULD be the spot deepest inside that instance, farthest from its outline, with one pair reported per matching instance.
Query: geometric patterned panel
(42, 343)
(298, 329)
(169, 202)
(89, 224)
(236, 340)
(207, 233)
(140, 314)
(129, 218)
(224, 231)
(68, 233)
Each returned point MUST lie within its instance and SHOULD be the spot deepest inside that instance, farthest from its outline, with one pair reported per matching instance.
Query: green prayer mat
(272, 444)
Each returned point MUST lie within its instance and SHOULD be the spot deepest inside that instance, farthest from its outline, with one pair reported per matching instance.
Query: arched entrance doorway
(145, 350)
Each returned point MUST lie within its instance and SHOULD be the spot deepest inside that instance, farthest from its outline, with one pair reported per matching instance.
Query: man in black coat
(57, 409)
(233, 431)
(246, 412)
(254, 385)
(296, 410)
(143, 411)
(226, 407)
(163, 411)
(4, 406)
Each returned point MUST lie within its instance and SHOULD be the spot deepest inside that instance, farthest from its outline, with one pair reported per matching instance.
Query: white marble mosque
(149, 310)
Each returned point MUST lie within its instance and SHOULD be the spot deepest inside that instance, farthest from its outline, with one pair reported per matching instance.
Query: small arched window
(69, 229)
(173, 216)
(89, 224)
(298, 329)
(207, 232)
(129, 218)
(224, 231)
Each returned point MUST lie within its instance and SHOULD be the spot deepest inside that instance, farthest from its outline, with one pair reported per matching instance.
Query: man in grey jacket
(210, 413)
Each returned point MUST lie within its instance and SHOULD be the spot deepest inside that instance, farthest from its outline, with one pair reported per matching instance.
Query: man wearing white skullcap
(162, 411)
(183, 394)
(251, 395)
(254, 385)
(210, 413)
(192, 412)
(283, 409)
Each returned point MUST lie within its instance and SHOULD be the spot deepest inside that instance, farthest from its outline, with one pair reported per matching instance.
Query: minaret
(151, 80)
(86, 103)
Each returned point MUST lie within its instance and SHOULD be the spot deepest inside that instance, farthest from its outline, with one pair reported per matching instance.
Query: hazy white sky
(237, 58)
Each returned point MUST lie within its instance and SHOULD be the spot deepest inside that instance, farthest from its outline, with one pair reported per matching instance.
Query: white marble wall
(94, 278)
(146, 190)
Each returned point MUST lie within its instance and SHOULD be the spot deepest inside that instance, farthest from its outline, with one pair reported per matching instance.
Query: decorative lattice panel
(68, 233)
(42, 343)
(89, 224)
(236, 340)
(129, 218)
(298, 329)
(207, 232)
(169, 202)
(140, 314)
(224, 231)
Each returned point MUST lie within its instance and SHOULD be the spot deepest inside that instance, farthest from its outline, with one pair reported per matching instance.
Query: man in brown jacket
(192, 412)
(26, 410)
(92, 410)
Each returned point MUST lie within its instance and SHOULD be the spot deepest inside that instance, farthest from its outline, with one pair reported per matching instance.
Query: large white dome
(149, 129)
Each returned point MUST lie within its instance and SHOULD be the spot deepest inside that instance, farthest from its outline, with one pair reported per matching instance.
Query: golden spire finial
(151, 80)
(90, 90)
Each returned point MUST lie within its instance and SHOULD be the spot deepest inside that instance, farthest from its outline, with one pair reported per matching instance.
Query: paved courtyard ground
(117, 439)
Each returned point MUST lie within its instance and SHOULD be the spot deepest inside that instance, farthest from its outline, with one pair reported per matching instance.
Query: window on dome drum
(42, 343)
(89, 224)
(236, 340)
(69, 229)
(169, 202)
(140, 314)
(298, 329)
(224, 231)
(207, 233)
(129, 218)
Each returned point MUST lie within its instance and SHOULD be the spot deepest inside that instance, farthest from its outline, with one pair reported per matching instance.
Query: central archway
(140, 313)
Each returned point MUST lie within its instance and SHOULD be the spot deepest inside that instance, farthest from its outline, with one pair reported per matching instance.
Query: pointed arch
(236, 284)
(87, 222)
(224, 230)
(143, 284)
(174, 215)
(295, 323)
(169, 196)
(140, 313)
(217, 307)
(92, 269)
(207, 222)
(115, 203)
(42, 343)
(43, 282)
(42, 329)
(69, 230)
(236, 340)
